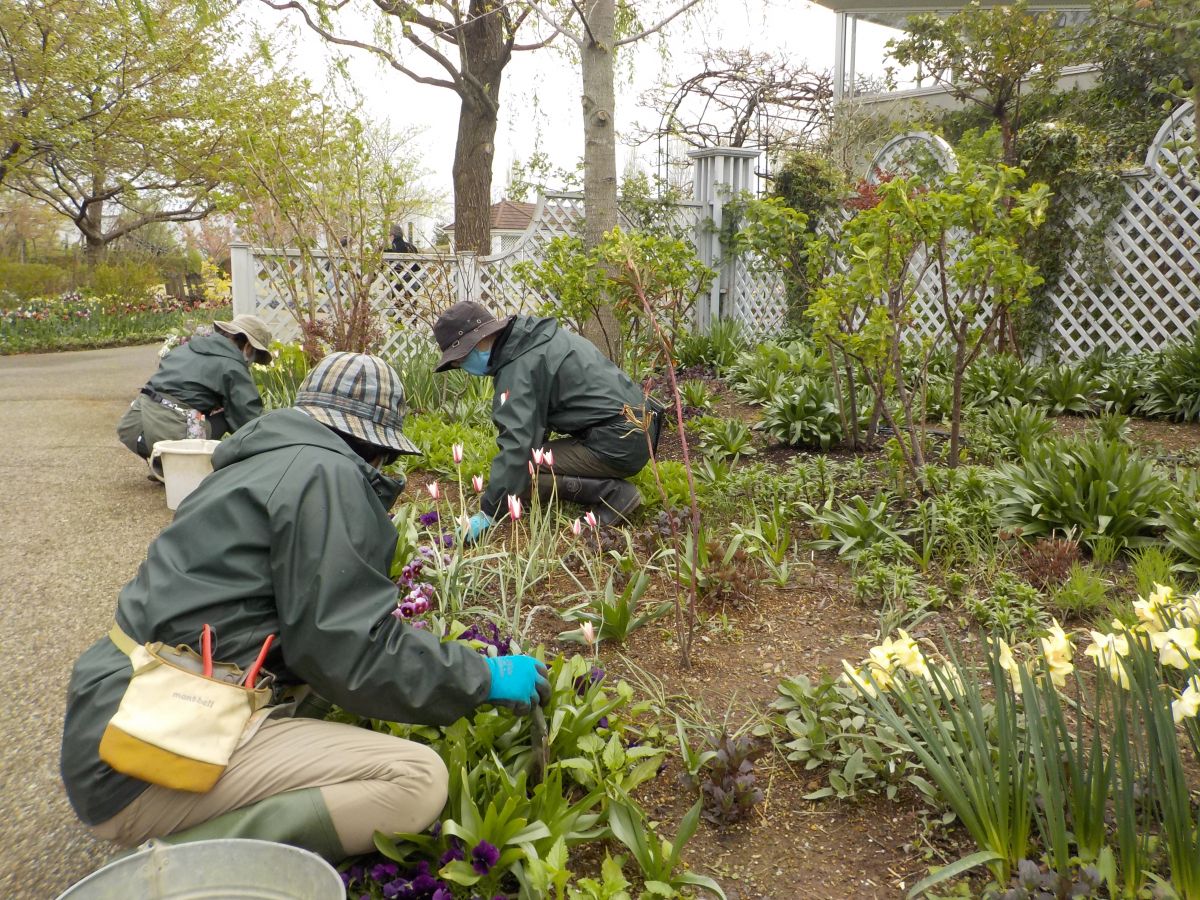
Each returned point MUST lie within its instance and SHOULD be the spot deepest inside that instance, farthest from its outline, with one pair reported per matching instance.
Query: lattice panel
(759, 300)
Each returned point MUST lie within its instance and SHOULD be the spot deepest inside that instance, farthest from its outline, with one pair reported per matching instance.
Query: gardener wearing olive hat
(290, 536)
(550, 380)
(209, 374)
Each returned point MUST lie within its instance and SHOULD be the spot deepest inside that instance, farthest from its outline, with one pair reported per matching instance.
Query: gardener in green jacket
(290, 536)
(550, 380)
(209, 374)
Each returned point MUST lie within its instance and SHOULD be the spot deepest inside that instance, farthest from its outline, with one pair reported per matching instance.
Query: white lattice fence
(1150, 295)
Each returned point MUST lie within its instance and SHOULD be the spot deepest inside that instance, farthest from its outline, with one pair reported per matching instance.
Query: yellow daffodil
(1009, 663)
(1189, 610)
(1155, 612)
(1058, 652)
(908, 656)
(1188, 704)
(1176, 646)
(1106, 650)
(856, 677)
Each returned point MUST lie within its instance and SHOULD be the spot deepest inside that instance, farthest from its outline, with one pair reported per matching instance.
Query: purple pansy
(429, 518)
(483, 857)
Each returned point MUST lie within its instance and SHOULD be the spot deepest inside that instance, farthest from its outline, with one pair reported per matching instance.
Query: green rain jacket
(550, 380)
(207, 373)
(290, 536)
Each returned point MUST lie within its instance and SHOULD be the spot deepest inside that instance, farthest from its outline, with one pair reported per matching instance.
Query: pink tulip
(590, 518)
(514, 507)
(589, 633)
(532, 473)
(577, 527)
(477, 483)
(435, 490)
(549, 457)
(538, 456)
(457, 452)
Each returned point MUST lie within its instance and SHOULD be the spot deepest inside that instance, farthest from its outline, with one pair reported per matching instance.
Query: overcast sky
(539, 104)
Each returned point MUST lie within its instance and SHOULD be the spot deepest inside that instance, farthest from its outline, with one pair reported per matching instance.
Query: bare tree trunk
(473, 155)
(91, 226)
(600, 154)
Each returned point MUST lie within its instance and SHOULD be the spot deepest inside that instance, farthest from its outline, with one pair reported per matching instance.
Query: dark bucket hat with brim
(461, 327)
(360, 395)
(254, 330)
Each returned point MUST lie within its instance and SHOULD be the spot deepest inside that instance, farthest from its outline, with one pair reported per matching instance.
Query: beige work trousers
(369, 781)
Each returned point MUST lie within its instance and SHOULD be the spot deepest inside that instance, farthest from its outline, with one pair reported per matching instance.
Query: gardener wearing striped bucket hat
(290, 537)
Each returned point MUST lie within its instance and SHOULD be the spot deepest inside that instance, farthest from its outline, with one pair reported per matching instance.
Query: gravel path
(76, 514)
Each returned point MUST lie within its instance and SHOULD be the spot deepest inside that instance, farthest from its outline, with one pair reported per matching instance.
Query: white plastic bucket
(184, 465)
(228, 868)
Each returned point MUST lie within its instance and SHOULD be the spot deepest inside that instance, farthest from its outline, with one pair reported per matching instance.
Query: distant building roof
(509, 215)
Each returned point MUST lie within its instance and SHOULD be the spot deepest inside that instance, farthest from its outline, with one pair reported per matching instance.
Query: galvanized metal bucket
(229, 869)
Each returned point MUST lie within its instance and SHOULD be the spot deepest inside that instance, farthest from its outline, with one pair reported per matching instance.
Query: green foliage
(278, 382)
(1068, 389)
(827, 724)
(659, 858)
(1182, 518)
(761, 388)
(1172, 389)
(1150, 566)
(27, 280)
(724, 439)
(716, 348)
(1119, 382)
(1010, 607)
(696, 394)
(1087, 489)
(1083, 595)
(903, 598)
(856, 527)
(674, 483)
(436, 438)
(726, 778)
(999, 377)
(613, 615)
(805, 416)
(1011, 430)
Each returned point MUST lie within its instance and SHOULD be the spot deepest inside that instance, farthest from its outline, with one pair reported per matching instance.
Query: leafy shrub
(806, 417)
(1068, 389)
(716, 348)
(829, 725)
(122, 278)
(794, 358)
(762, 387)
(856, 527)
(674, 481)
(1182, 518)
(1172, 389)
(1011, 606)
(436, 437)
(1112, 427)
(999, 376)
(695, 393)
(1119, 382)
(1096, 490)
(725, 438)
(1084, 592)
(1012, 429)
(26, 280)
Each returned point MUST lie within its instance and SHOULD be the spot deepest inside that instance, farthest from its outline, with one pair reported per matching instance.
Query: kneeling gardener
(280, 558)
(550, 380)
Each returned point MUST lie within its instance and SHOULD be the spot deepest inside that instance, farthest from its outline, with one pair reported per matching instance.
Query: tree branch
(658, 26)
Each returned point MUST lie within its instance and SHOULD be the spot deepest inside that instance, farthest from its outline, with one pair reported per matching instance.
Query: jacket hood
(215, 345)
(526, 333)
(282, 428)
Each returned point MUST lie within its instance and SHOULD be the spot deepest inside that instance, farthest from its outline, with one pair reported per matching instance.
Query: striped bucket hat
(359, 395)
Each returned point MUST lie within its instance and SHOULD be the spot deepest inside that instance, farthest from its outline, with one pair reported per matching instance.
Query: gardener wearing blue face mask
(548, 380)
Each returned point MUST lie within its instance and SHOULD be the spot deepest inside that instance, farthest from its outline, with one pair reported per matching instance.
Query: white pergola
(895, 13)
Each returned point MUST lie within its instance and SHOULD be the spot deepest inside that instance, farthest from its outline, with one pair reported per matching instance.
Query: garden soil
(76, 514)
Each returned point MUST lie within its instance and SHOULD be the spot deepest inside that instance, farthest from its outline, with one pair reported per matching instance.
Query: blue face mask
(476, 362)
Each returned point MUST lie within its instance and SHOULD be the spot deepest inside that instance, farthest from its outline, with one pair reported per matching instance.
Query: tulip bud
(589, 633)
(457, 452)
(577, 527)
(590, 518)
(514, 507)
(435, 490)
(549, 457)
(538, 455)
(477, 483)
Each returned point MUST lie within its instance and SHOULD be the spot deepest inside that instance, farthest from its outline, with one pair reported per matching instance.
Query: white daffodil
(1176, 646)
(1188, 704)
(856, 677)
(908, 656)
(1008, 663)
(1106, 650)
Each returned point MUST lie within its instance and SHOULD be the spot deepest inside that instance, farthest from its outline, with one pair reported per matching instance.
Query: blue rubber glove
(476, 525)
(518, 682)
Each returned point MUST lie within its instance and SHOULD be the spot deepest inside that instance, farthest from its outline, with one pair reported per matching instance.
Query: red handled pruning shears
(252, 672)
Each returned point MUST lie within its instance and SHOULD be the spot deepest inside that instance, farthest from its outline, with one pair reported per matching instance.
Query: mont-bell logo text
(193, 698)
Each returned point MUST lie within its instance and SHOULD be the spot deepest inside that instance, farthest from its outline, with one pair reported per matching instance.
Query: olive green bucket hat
(360, 395)
(254, 330)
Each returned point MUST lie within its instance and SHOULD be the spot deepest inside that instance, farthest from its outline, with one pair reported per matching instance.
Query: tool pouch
(176, 727)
